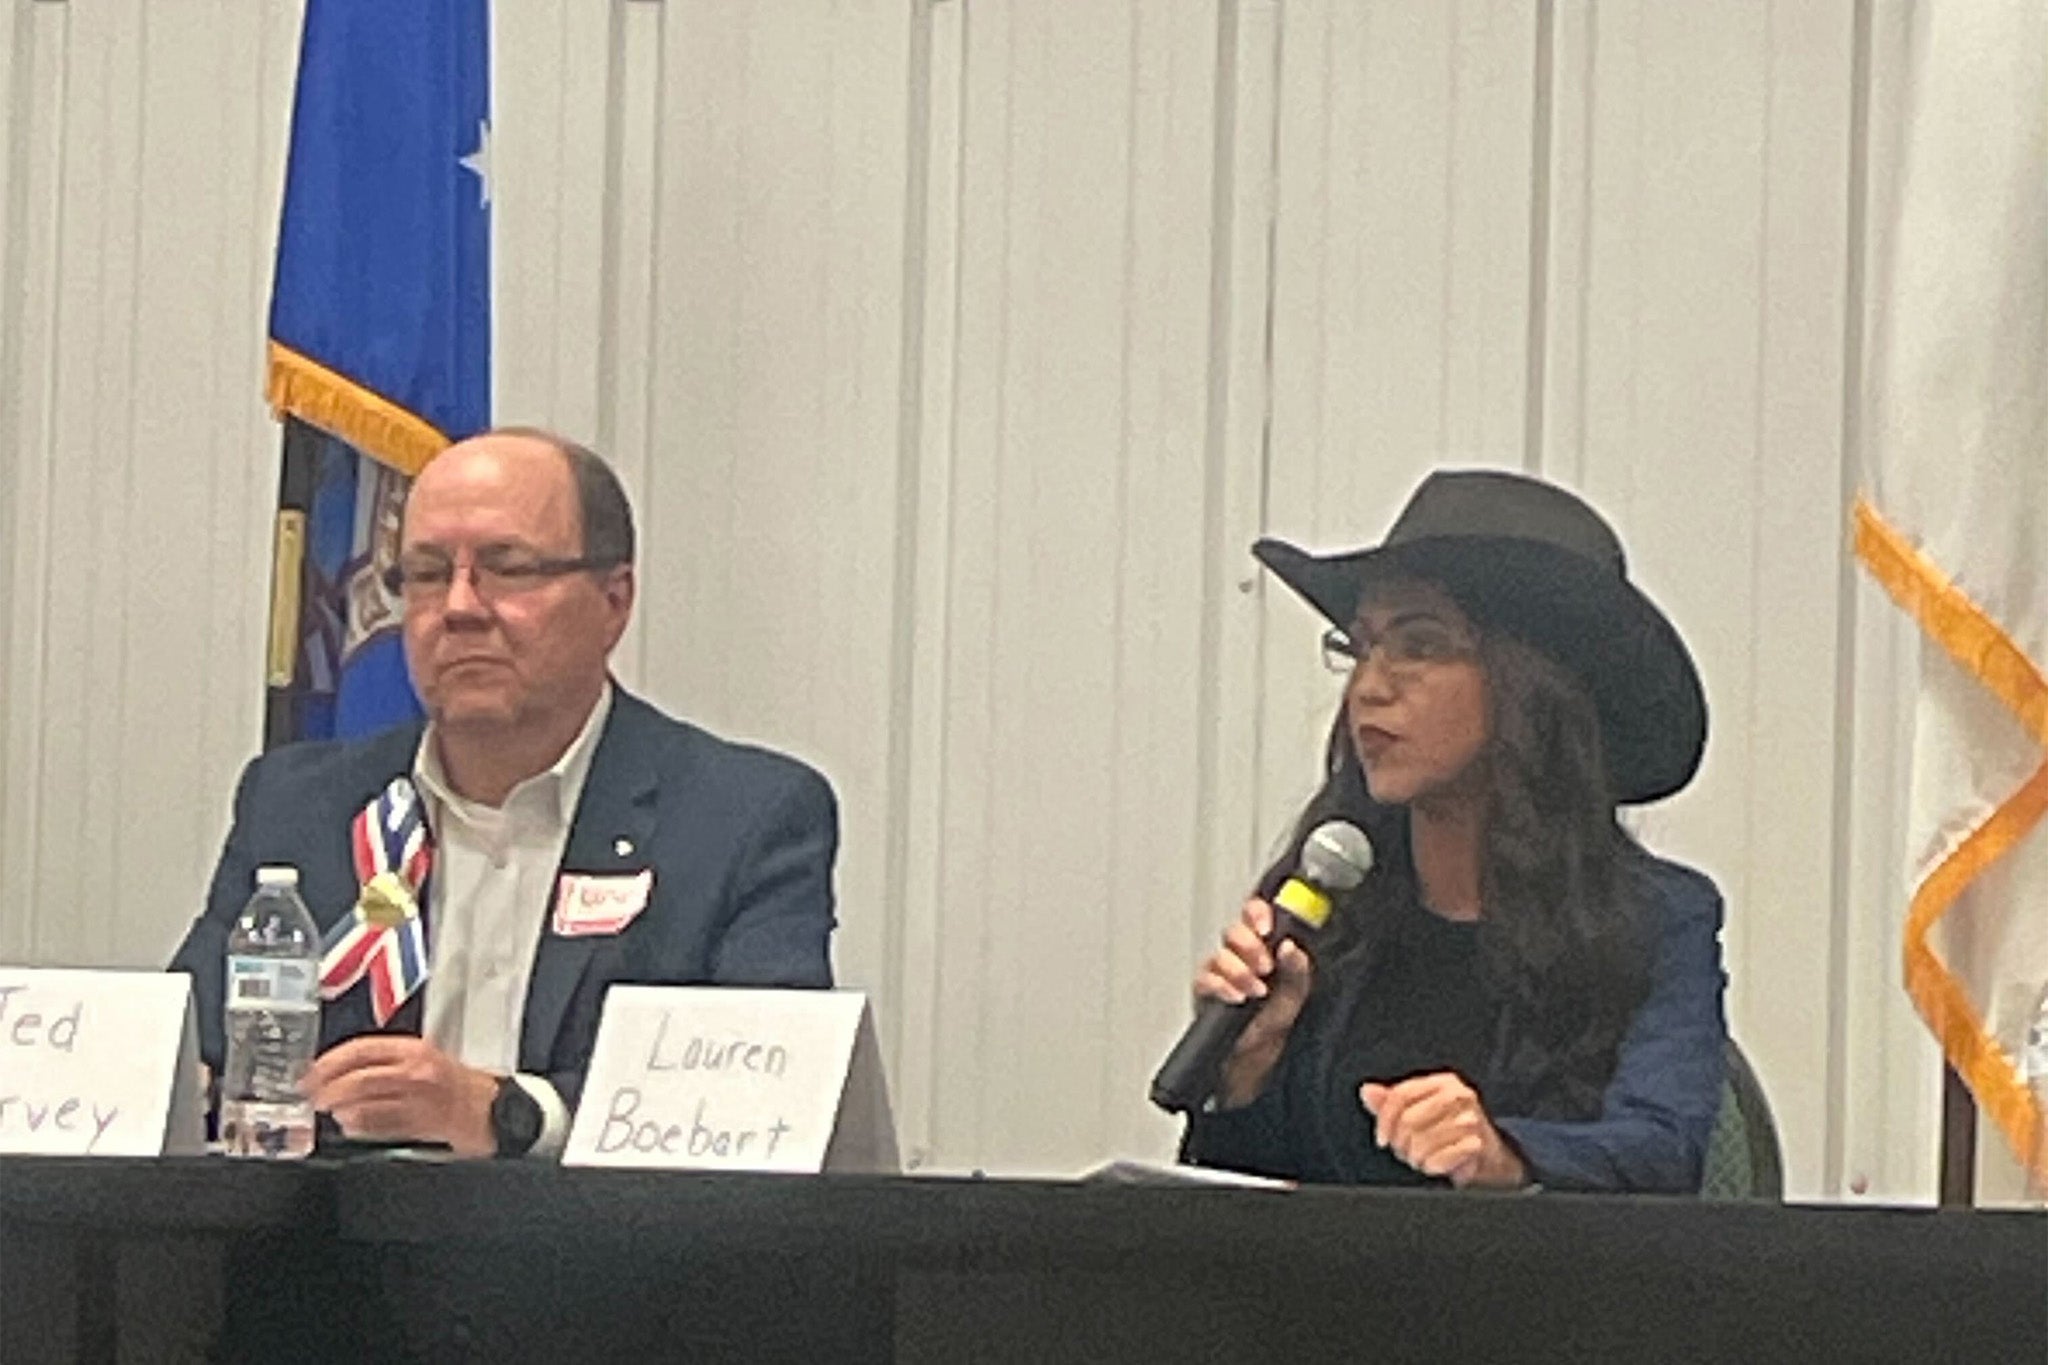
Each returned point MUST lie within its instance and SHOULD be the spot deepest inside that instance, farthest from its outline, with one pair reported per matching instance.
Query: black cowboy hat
(1533, 561)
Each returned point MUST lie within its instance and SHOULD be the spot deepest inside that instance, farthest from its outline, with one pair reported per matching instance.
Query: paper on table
(1128, 1172)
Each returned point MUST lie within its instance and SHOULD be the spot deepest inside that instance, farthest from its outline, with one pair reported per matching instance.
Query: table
(102, 1254)
(522, 1261)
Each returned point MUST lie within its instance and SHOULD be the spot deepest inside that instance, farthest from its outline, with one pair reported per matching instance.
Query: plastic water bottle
(273, 1021)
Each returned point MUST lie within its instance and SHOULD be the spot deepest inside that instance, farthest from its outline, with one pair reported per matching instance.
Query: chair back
(1743, 1157)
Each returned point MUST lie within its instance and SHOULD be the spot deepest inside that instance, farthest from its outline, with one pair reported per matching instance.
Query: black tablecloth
(388, 1259)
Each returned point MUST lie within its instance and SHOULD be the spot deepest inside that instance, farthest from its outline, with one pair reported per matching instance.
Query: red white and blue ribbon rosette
(383, 937)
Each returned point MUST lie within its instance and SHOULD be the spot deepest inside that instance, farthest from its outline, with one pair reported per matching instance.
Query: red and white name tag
(586, 905)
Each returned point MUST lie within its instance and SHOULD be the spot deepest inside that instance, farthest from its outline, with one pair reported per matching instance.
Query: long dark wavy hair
(1563, 941)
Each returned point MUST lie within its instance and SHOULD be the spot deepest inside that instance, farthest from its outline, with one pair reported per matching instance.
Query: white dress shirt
(492, 889)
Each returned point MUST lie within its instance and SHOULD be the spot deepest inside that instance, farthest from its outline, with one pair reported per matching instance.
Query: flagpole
(296, 465)
(1958, 1142)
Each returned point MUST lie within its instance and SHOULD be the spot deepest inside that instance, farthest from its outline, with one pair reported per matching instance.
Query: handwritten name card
(719, 1078)
(98, 1064)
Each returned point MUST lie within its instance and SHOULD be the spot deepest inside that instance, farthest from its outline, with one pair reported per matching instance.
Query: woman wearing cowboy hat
(1518, 993)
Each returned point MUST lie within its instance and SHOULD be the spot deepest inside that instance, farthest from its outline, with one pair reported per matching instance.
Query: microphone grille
(1336, 856)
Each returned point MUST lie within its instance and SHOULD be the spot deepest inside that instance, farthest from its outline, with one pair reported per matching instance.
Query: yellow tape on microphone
(1304, 902)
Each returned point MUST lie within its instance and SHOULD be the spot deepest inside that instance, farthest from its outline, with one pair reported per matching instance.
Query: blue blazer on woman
(1656, 1114)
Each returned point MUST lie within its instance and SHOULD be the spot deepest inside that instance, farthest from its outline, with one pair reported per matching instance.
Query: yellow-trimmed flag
(1954, 524)
(380, 333)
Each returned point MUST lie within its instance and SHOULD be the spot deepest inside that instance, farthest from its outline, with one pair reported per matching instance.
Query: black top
(1424, 1011)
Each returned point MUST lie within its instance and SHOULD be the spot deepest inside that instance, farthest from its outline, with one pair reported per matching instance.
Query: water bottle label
(272, 981)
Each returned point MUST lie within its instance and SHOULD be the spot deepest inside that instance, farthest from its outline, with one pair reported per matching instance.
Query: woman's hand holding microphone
(1244, 968)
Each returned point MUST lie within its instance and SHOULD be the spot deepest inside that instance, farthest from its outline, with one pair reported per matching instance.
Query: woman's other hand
(1437, 1125)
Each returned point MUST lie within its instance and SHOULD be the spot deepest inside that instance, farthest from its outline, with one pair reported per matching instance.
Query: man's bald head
(603, 512)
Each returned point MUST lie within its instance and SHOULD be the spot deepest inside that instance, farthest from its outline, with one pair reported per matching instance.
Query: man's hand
(1436, 1125)
(388, 1087)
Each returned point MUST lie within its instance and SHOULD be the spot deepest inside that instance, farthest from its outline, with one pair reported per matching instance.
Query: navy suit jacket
(740, 840)
(1656, 1115)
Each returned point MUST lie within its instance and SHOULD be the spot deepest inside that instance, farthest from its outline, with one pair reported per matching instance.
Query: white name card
(718, 1078)
(98, 1064)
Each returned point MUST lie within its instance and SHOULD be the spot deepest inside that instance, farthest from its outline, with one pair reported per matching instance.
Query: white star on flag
(478, 163)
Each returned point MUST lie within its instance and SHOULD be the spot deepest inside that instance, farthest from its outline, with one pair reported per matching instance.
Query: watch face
(515, 1119)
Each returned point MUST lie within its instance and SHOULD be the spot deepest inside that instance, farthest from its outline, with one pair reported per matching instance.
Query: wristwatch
(516, 1119)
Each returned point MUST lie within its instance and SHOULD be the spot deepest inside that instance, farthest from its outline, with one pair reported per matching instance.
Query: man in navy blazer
(578, 836)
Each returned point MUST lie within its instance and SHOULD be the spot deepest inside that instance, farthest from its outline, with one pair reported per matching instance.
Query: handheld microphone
(1334, 859)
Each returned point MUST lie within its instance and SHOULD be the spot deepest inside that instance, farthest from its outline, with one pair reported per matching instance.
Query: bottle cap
(277, 876)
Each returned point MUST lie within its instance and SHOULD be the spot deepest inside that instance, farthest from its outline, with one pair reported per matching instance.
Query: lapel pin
(623, 847)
